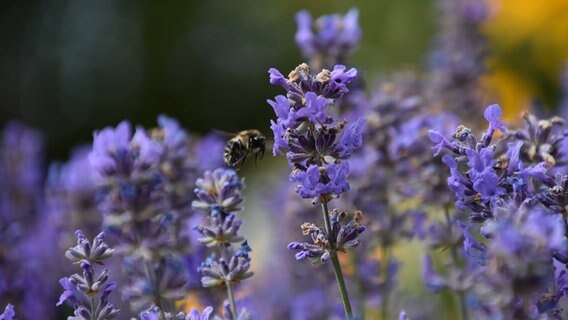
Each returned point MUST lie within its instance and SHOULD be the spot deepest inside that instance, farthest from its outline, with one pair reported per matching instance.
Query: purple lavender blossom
(503, 184)
(207, 148)
(154, 313)
(21, 174)
(316, 143)
(219, 194)
(489, 174)
(221, 232)
(345, 236)
(118, 152)
(522, 241)
(218, 191)
(321, 181)
(167, 283)
(221, 272)
(28, 283)
(542, 140)
(8, 313)
(81, 290)
(335, 37)
(457, 60)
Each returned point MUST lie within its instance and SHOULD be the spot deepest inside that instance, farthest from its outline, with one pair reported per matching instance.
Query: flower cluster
(345, 236)
(457, 60)
(316, 144)
(482, 173)
(509, 185)
(81, 290)
(219, 195)
(144, 184)
(28, 284)
(335, 37)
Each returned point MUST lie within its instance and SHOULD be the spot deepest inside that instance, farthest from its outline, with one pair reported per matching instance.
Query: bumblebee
(244, 144)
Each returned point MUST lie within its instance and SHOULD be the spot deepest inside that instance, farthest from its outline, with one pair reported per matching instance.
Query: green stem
(360, 295)
(157, 298)
(385, 261)
(335, 262)
(93, 308)
(231, 299)
(454, 253)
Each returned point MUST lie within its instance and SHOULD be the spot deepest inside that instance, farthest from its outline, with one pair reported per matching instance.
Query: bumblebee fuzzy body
(243, 144)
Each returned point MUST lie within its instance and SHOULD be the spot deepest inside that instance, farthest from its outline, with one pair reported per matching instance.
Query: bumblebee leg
(261, 153)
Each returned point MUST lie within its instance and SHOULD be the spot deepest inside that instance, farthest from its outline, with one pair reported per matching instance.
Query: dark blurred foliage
(71, 67)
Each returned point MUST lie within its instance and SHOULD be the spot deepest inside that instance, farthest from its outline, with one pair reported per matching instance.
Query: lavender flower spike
(335, 37)
(318, 148)
(81, 290)
(219, 194)
(218, 191)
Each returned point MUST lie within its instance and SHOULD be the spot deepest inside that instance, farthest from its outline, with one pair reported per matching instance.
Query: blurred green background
(71, 67)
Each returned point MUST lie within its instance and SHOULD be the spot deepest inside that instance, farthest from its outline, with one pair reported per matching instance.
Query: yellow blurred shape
(529, 46)
(189, 302)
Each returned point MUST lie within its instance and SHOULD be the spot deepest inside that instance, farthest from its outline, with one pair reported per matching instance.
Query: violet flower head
(128, 180)
(328, 84)
(9, 313)
(493, 115)
(554, 195)
(21, 156)
(317, 144)
(242, 314)
(457, 60)
(219, 191)
(220, 272)
(119, 152)
(484, 171)
(220, 232)
(172, 136)
(154, 313)
(522, 243)
(219, 195)
(320, 181)
(194, 314)
(21, 174)
(543, 140)
(211, 144)
(167, 283)
(345, 235)
(96, 251)
(330, 39)
(80, 290)
(352, 138)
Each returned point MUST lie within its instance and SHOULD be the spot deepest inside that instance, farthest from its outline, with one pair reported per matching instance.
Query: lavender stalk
(337, 265)
(219, 194)
(318, 148)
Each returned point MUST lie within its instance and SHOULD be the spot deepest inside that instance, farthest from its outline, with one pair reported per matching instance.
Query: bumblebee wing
(223, 133)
